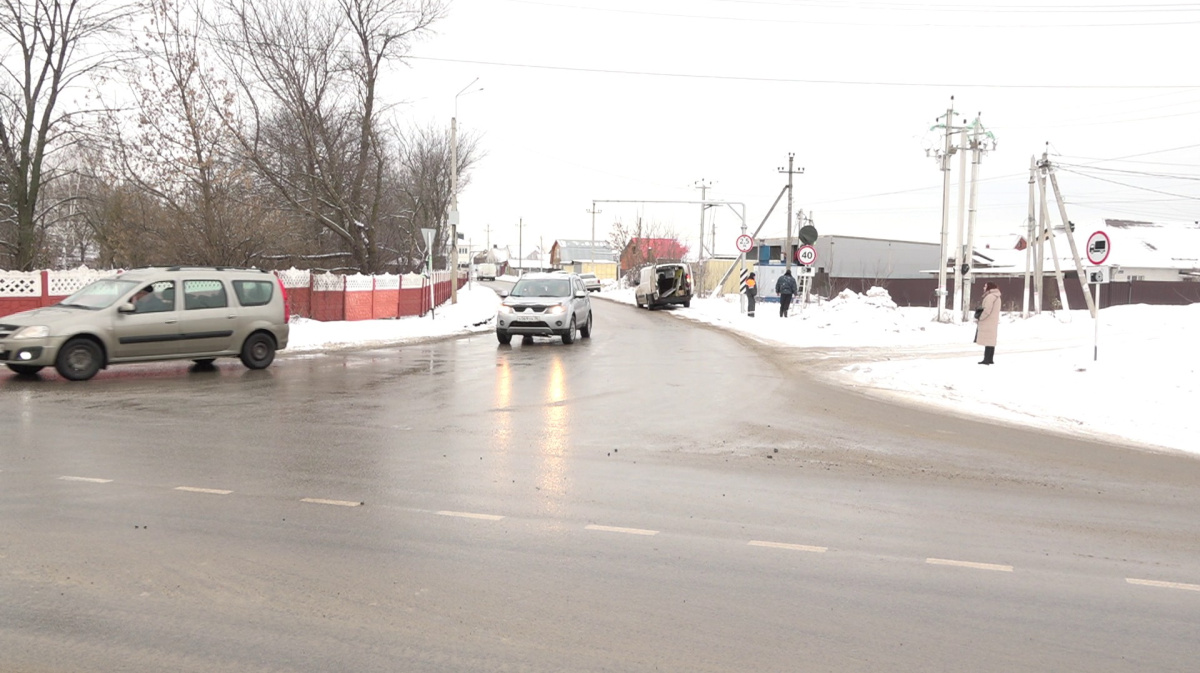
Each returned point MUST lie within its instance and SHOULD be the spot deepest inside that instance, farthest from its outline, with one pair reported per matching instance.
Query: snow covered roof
(570, 250)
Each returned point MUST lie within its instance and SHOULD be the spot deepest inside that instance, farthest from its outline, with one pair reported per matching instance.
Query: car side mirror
(503, 294)
(580, 294)
(127, 307)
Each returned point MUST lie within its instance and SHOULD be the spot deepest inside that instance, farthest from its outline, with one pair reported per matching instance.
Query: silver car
(545, 304)
(171, 313)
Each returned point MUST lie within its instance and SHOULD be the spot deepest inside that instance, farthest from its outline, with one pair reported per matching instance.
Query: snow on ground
(1141, 389)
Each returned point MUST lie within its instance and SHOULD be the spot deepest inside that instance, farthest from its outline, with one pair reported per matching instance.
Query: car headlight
(556, 309)
(505, 308)
(32, 332)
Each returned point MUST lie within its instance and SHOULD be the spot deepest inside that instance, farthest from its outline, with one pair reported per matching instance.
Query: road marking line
(969, 564)
(616, 529)
(90, 480)
(471, 515)
(193, 489)
(340, 503)
(785, 545)
(1166, 585)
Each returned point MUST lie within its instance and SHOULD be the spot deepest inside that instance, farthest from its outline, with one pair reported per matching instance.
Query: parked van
(662, 284)
(485, 271)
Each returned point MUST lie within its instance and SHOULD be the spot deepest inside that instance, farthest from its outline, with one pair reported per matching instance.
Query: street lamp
(454, 191)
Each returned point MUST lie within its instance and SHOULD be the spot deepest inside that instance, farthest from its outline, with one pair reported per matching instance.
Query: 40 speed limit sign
(806, 254)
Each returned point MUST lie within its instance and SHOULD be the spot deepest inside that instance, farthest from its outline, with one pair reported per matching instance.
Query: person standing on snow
(751, 293)
(989, 322)
(785, 287)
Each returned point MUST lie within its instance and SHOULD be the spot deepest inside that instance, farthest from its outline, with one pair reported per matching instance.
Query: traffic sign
(744, 243)
(1098, 247)
(806, 254)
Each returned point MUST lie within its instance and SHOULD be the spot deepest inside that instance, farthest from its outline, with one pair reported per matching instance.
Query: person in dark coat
(751, 293)
(989, 322)
(785, 287)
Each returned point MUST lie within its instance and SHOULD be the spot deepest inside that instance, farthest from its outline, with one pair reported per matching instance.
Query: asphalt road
(660, 497)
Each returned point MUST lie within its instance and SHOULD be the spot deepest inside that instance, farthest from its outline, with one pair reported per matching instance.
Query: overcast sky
(642, 99)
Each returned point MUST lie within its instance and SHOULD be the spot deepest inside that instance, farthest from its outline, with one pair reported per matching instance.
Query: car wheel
(259, 351)
(586, 330)
(569, 335)
(79, 359)
(503, 337)
(687, 304)
(25, 370)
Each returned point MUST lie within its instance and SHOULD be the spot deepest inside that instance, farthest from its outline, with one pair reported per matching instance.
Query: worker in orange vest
(751, 293)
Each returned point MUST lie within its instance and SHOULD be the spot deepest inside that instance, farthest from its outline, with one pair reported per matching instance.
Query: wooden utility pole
(1031, 248)
(1048, 231)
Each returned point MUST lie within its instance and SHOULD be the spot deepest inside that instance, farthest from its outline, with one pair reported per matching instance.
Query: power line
(922, 24)
(790, 80)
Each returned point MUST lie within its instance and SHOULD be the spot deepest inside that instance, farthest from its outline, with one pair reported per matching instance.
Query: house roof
(572, 250)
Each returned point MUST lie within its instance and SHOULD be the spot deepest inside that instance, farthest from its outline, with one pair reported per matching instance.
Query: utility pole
(454, 194)
(594, 212)
(1069, 229)
(981, 141)
(520, 233)
(488, 230)
(944, 158)
(787, 242)
(703, 186)
(1031, 246)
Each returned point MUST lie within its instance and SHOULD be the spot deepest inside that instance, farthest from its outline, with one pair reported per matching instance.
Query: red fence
(324, 297)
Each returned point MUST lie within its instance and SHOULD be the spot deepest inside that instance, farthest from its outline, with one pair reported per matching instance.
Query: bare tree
(424, 162)
(45, 50)
(309, 73)
(172, 142)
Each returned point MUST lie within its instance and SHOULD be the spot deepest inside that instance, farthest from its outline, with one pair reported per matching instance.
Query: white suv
(545, 304)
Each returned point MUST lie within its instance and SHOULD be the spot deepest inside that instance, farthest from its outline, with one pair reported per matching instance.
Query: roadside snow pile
(876, 297)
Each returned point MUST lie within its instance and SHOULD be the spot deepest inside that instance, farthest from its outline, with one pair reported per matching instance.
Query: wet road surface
(659, 497)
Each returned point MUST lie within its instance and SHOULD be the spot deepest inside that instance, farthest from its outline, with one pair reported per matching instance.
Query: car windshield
(100, 294)
(542, 288)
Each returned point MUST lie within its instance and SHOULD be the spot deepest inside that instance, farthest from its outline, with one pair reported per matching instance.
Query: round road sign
(806, 254)
(1098, 247)
(744, 243)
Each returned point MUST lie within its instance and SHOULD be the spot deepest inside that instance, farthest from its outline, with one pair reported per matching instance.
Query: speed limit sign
(806, 255)
(744, 243)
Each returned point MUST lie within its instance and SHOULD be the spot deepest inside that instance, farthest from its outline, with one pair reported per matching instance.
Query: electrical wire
(860, 24)
(790, 80)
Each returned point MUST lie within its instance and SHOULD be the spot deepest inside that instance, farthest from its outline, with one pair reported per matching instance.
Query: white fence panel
(20, 283)
(328, 282)
(359, 283)
(387, 281)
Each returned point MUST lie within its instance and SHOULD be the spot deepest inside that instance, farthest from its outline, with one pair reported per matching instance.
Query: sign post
(806, 255)
(744, 243)
(1098, 248)
(427, 234)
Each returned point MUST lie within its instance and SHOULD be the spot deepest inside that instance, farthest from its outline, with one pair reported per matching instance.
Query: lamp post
(454, 193)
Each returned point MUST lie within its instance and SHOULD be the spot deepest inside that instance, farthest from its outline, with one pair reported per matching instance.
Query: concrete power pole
(787, 242)
(944, 158)
(594, 212)
(703, 186)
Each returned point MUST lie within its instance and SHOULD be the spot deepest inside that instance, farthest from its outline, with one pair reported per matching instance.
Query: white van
(485, 271)
(662, 284)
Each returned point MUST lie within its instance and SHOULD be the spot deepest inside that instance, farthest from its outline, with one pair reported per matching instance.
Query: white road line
(193, 489)
(471, 515)
(784, 545)
(90, 480)
(1165, 585)
(969, 564)
(615, 529)
(340, 503)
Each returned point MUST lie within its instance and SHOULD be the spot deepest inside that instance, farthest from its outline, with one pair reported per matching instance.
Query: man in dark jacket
(785, 287)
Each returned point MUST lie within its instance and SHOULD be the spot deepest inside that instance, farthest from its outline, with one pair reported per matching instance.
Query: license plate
(527, 318)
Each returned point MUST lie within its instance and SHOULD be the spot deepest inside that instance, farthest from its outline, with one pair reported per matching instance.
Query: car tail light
(287, 312)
